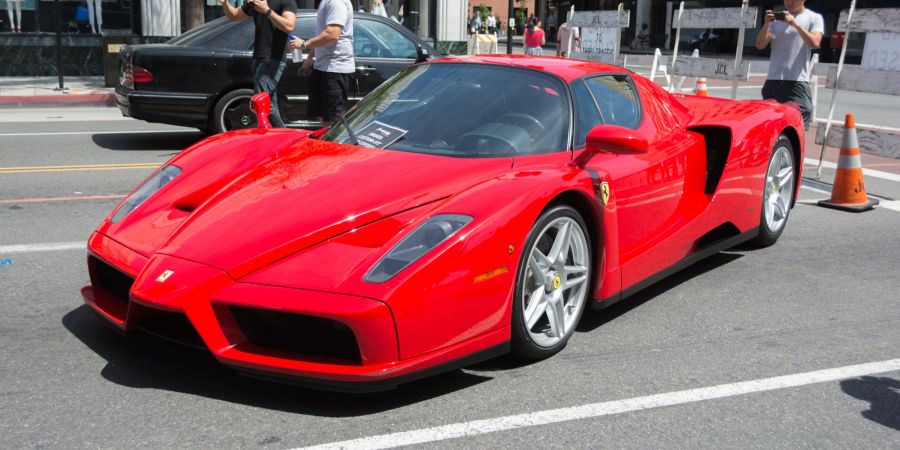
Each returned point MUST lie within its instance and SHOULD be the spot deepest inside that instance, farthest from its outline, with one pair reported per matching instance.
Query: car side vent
(718, 145)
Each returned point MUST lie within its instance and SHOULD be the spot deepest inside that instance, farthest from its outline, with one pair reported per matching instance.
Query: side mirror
(422, 54)
(262, 106)
(615, 139)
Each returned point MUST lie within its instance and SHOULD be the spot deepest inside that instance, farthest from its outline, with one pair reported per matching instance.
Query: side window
(586, 114)
(378, 40)
(617, 100)
(305, 27)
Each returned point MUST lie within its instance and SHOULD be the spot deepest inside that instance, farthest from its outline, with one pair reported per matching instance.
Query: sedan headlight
(419, 242)
(159, 179)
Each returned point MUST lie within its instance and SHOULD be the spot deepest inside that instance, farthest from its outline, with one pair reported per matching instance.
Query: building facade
(91, 29)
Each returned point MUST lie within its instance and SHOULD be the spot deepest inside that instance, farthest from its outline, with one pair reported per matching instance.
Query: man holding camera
(794, 34)
(272, 21)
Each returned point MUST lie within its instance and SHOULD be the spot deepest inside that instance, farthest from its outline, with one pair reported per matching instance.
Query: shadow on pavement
(882, 393)
(594, 319)
(591, 320)
(142, 362)
(147, 141)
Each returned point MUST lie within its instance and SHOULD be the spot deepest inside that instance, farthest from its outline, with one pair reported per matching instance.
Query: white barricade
(737, 70)
(479, 40)
(882, 141)
(601, 33)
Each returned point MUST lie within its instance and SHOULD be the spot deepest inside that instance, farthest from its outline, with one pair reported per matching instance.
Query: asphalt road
(824, 297)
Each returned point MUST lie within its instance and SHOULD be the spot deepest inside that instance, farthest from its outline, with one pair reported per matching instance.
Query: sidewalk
(41, 92)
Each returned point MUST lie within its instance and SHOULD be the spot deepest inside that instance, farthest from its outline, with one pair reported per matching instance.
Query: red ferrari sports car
(468, 207)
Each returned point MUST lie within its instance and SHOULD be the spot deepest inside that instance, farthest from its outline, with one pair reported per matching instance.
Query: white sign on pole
(718, 18)
(598, 40)
(600, 19)
(721, 69)
(871, 20)
(882, 51)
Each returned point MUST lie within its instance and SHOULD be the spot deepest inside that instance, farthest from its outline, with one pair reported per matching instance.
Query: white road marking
(69, 133)
(593, 410)
(808, 188)
(49, 247)
(892, 205)
(866, 172)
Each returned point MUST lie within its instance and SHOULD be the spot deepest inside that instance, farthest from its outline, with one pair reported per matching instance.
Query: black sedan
(202, 78)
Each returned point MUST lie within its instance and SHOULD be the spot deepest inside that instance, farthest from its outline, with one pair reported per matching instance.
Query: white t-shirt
(563, 38)
(337, 58)
(790, 55)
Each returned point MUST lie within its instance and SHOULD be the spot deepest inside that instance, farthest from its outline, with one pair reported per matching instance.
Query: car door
(381, 50)
(657, 204)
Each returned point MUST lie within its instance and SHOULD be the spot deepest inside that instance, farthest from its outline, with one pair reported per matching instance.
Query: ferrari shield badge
(604, 192)
(164, 276)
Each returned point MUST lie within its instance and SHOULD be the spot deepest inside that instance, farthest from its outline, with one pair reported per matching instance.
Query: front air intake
(298, 336)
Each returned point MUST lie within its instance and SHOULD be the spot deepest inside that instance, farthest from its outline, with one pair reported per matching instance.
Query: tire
(552, 281)
(778, 193)
(232, 112)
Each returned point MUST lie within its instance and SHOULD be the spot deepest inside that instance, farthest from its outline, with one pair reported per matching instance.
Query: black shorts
(797, 91)
(328, 95)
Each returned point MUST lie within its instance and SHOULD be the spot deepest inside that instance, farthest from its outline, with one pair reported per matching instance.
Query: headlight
(159, 179)
(424, 238)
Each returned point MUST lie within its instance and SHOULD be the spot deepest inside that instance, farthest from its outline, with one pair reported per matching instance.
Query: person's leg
(18, 16)
(9, 12)
(314, 96)
(336, 92)
(801, 93)
(264, 73)
(90, 5)
(99, 8)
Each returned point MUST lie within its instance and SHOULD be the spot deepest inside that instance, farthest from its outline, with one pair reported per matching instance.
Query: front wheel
(778, 193)
(232, 112)
(552, 283)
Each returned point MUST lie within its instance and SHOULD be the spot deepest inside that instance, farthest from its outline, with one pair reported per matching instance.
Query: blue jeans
(266, 73)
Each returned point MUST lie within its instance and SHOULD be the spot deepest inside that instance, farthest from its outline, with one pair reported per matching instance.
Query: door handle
(365, 69)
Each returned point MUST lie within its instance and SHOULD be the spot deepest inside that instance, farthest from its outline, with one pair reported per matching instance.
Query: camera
(779, 15)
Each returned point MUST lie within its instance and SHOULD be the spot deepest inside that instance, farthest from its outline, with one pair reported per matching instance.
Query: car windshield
(462, 109)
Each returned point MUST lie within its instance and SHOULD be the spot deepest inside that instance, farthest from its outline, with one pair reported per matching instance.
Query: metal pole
(509, 30)
(59, 66)
(740, 53)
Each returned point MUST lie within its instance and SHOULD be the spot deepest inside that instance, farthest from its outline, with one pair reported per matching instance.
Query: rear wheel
(778, 193)
(232, 112)
(552, 283)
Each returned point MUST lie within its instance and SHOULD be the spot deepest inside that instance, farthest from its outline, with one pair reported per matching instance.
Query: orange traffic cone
(849, 190)
(701, 88)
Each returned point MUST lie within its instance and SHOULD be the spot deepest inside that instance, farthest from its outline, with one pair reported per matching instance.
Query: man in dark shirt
(273, 20)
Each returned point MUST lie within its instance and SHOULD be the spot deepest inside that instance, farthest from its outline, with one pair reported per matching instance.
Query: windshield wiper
(350, 133)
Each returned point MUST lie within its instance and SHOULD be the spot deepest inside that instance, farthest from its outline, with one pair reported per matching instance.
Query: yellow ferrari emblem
(604, 192)
(556, 282)
(164, 276)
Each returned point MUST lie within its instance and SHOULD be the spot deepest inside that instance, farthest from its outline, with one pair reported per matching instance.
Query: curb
(41, 101)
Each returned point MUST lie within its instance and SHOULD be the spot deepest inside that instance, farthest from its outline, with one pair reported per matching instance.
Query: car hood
(310, 192)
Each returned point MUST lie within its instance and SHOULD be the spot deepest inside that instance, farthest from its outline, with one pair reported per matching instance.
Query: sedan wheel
(233, 112)
(552, 284)
(778, 193)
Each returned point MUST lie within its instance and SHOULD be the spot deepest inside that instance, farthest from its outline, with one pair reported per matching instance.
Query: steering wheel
(526, 121)
(370, 50)
(481, 144)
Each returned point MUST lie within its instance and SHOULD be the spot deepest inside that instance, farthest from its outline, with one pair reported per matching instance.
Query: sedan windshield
(462, 109)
